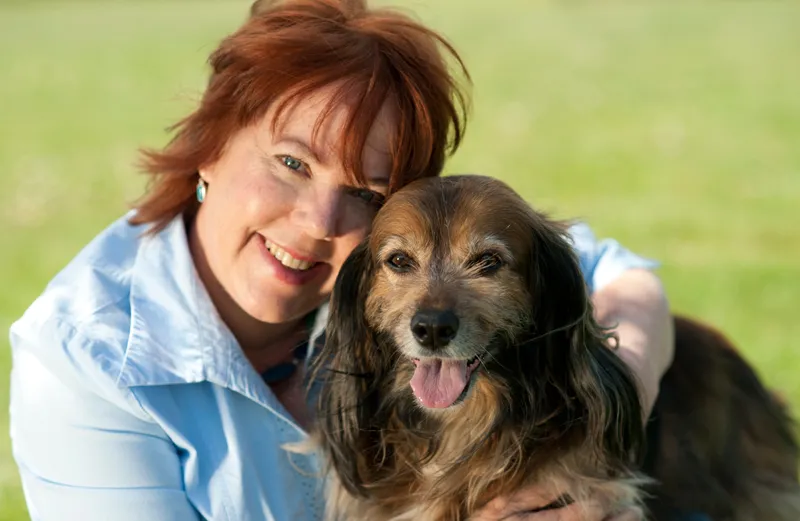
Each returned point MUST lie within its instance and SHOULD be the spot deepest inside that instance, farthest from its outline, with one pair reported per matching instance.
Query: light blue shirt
(131, 400)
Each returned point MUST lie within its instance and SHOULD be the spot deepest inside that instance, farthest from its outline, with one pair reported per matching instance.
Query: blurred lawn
(672, 126)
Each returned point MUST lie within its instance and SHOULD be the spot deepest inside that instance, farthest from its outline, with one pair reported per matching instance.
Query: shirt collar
(176, 334)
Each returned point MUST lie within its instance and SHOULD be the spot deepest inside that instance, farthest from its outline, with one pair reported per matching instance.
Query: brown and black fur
(722, 443)
(551, 403)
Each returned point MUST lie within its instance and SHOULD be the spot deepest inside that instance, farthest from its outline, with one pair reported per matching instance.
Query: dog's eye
(399, 261)
(486, 263)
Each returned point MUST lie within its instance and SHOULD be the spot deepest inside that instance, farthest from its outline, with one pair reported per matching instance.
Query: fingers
(526, 505)
(583, 512)
(514, 507)
(632, 514)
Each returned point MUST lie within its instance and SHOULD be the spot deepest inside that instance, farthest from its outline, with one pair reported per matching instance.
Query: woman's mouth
(292, 268)
(287, 259)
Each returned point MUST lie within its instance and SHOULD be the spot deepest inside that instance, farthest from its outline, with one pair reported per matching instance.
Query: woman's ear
(603, 389)
(346, 371)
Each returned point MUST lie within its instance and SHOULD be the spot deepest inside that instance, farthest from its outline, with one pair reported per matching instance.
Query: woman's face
(280, 215)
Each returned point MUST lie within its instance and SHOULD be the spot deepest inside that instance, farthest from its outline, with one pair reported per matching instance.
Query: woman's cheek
(266, 195)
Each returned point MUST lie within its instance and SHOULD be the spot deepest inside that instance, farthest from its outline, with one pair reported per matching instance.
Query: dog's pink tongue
(438, 383)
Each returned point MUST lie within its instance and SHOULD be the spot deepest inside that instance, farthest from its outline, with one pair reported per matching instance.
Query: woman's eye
(400, 262)
(292, 163)
(370, 197)
(487, 263)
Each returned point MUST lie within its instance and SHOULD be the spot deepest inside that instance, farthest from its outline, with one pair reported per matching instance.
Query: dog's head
(467, 308)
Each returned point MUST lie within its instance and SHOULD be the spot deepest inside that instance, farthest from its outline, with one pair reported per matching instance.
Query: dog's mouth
(439, 383)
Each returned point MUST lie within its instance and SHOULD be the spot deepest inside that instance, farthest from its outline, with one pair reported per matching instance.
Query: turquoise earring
(200, 191)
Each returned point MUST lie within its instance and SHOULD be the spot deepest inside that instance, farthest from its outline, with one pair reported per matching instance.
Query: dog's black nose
(434, 328)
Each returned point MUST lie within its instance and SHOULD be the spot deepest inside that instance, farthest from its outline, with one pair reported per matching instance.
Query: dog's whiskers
(566, 327)
(350, 373)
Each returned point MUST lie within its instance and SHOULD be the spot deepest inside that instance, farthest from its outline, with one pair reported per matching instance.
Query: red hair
(289, 49)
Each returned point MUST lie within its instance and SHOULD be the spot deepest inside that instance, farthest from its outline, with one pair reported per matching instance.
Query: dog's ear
(346, 371)
(576, 352)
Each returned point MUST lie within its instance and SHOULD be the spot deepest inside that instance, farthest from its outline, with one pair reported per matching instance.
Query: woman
(160, 372)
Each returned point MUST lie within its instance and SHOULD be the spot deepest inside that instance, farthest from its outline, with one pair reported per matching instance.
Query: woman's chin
(276, 305)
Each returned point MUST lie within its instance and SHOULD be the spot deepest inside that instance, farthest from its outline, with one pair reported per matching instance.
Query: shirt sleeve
(604, 260)
(83, 450)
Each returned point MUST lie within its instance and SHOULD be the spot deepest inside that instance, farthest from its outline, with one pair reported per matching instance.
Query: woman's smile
(289, 259)
(291, 267)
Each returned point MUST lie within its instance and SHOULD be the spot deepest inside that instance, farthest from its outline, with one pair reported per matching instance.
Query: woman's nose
(317, 212)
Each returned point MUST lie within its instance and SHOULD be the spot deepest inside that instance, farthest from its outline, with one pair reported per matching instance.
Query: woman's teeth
(286, 259)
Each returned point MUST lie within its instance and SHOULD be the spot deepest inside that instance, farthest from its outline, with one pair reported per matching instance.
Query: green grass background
(672, 126)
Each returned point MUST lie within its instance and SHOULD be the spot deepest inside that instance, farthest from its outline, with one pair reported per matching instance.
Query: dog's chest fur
(436, 490)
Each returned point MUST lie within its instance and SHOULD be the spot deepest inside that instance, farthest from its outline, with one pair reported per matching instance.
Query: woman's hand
(526, 505)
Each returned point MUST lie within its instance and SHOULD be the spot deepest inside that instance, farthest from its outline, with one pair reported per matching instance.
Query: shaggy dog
(463, 362)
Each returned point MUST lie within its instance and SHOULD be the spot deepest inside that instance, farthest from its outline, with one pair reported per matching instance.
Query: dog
(463, 362)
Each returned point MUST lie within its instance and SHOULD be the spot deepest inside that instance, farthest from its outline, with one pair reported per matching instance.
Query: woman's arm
(636, 305)
(84, 455)
(628, 296)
